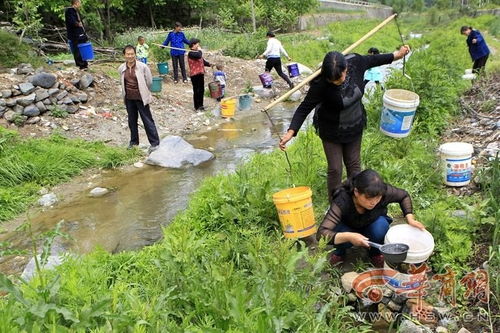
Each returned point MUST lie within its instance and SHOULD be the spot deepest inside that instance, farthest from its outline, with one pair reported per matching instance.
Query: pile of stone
(42, 92)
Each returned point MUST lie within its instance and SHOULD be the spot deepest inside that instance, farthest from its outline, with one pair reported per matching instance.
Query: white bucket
(398, 112)
(456, 159)
(421, 242)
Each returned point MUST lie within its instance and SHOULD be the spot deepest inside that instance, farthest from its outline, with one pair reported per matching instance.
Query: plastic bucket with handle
(162, 68)
(295, 211)
(86, 51)
(457, 165)
(157, 84)
(398, 112)
(266, 79)
(228, 107)
(215, 89)
(293, 70)
(245, 102)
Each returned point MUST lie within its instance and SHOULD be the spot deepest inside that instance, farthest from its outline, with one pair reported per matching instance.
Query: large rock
(295, 97)
(407, 326)
(26, 88)
(6, 93)
(41, 94)
(44, 80)
(30, 269)
(53, 91)
(74, 99)
(347, 280)
(10, 102)
(31, 111)
(26, 100)
(99, 192)
(264, 92)
(85, 81)
(42, 107)
(47, 200)
(175, 152)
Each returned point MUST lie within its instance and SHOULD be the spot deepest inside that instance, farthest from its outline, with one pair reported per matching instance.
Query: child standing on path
(142, 50)
(197, 73)
(177, 39)
(220, 76)
(273, 54)
(373, 74)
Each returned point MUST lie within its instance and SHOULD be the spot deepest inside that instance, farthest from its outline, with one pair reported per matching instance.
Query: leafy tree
(27, 18)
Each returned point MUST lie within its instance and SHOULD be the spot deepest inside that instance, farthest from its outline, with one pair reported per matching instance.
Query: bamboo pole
(170, 47)
(318, 72)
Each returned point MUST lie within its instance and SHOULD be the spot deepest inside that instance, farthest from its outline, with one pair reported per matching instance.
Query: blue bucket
(245, 102)
(162, 68)
(266, 79)
(293, 70)
(398, 112)
(86, 51)
(157, 84)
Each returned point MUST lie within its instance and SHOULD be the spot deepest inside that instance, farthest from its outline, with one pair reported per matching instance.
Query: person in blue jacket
(478, 49)
(177, 39)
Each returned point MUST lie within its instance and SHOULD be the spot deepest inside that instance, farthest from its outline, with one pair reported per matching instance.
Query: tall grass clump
(12, 53)
(27, 165)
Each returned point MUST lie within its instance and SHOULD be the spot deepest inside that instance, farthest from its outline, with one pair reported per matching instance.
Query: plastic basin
(421, 242)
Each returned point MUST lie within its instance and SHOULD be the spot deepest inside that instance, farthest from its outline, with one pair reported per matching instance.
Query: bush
(12, 53)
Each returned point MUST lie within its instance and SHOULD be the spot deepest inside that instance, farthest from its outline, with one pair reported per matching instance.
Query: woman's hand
(474, 41)
(357, 239)
(285, 138)
(414, 223)
(403, 50)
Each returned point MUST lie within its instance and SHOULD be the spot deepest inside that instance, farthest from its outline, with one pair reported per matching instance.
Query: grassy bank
(26, 165)
(12, 53)
(224, 266)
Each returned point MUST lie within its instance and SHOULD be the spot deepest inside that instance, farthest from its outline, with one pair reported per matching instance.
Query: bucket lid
(401, 95)
(456, 148)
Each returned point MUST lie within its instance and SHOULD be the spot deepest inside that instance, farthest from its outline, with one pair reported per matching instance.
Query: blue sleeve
(168, 40)
(477, 35)
(184, 39)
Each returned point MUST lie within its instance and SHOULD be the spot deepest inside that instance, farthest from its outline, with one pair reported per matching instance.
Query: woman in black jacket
(341, 116)
(75, 32)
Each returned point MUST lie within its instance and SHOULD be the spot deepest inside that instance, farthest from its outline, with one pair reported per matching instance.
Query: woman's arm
(330, 222)
(167, 40)
(402, 197)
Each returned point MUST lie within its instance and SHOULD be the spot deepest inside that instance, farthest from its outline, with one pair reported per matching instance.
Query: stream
(143, 200)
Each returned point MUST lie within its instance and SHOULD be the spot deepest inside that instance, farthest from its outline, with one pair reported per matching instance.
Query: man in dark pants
(136, 81)
(273, 54)
(75, 32)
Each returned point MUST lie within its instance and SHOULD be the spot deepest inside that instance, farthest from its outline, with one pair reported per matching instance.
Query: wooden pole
(318, 72)
(170, 47)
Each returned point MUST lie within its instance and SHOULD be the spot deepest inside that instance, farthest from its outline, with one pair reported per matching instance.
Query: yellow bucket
(228, 107)
(295, 211)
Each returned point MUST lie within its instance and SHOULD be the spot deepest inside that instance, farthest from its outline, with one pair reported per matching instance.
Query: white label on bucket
(406, 123)
(458, 171)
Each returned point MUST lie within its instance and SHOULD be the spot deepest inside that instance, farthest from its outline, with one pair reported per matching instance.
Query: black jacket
(74, 32)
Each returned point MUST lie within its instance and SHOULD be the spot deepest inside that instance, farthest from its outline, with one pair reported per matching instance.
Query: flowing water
(144, 200)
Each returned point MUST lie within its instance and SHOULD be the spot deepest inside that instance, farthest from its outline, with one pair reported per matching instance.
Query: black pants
(349, 153)
(179, 61)
(135, 108)
(276, 64)
(479, 64)
(82, 64)
(198, 82)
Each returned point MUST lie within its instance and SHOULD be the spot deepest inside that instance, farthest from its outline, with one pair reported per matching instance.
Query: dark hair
(367, 182)
(334, 64)
(464, 28)
(373, 50)
(73, 2)
(193, 41)
(128, 47)
(270, 34)
(140, 37)
(178, 24)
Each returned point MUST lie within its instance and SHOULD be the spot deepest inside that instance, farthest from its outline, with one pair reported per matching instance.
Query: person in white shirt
(273, 54)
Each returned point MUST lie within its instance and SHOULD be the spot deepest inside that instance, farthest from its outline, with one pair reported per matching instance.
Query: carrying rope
(404, 58)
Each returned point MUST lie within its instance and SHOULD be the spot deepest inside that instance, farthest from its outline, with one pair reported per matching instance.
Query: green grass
(12, 53)
(27, 165)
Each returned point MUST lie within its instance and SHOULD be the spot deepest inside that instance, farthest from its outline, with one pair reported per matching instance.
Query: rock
(441, 329)
(459, 213)
(138, 164)
(41, 107)
(295, 96)
(30, 269)
(24, 69)
(43, 191)
(394, 306)
(264, 92)
(492, 149)
(44, 80)
(31, 111)
(33, 120)
(41, 94)
(20, 120)
(304, 70)
(67, 100)
(18, 109)
(61, 95)
(83, 97)
(47, 200)
(175, 152)
(75, 82)
(16, 92)
(53, 91)
(71, 108)
(85, 81)
(2, 110)
(2, 102)
(10, 115)
(47, 101)
(463, 330)
(26, 100)
(6, 93)
(26, 88)
(408, 326)
(10, 102)
(62, 86)
(347, 280)
(74, 99)
(98, 192)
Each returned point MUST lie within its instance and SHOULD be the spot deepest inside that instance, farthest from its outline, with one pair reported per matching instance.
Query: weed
(59, 112)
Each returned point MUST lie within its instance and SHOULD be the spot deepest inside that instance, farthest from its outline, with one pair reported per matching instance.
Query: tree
(27, 18)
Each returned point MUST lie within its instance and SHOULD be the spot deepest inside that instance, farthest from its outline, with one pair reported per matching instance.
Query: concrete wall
(364, 9)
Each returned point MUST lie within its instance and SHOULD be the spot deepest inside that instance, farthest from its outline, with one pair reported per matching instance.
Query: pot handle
(375, 245)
